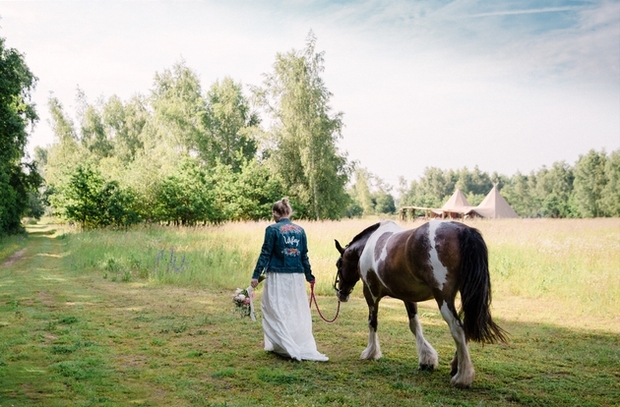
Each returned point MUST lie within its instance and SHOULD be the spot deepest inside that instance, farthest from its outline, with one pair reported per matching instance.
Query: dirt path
(15, 256)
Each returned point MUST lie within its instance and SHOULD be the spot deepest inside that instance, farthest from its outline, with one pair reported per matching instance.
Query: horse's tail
(475, 287)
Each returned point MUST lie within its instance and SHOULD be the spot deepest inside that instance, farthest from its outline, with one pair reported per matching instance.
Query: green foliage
(18, 180)
(610, 201)
(93, 132)
(588, 189)
(82, 196)
(92, 202)
(384, 203)
(254, 192)
(589, 184)
(16, 110)
(305, 133)
(124, 124)
(178, 107)
(185, 197)
(230, 125)
(370, 196)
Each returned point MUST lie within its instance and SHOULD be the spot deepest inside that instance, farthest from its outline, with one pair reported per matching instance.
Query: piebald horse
(435, 260)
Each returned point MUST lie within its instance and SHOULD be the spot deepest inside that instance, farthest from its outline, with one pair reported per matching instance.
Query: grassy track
(102, 330)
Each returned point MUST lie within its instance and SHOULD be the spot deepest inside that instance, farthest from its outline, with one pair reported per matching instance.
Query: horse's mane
(363, 233)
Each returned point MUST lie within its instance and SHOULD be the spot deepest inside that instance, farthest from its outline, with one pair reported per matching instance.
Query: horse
(436, 260)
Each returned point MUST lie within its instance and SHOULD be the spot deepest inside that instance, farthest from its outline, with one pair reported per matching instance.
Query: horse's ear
(340, 249)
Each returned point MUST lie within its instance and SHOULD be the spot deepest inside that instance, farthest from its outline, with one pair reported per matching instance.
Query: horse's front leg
(373, 350)
(427, 355)
(464, 375)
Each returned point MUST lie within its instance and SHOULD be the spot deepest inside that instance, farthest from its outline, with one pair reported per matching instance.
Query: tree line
(589, 188)
(183, 155)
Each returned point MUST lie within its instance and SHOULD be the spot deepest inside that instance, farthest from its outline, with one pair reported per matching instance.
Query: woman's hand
(254, 282)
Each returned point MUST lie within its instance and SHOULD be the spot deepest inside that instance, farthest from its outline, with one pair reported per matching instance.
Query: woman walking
(287, 323)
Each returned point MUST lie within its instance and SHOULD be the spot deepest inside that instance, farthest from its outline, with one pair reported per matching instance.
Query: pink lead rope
(313, 298)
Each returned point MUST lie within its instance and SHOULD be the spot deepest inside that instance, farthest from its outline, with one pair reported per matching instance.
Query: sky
(507, 86)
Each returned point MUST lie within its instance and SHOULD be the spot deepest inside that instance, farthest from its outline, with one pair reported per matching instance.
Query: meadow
(145, 317)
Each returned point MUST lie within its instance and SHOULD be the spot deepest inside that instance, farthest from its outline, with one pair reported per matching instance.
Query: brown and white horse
(434, 260)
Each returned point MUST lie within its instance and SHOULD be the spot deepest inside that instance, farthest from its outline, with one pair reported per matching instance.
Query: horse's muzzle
(342, 297)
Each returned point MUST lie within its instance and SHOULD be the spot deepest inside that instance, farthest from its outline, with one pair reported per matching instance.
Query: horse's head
(348, 272)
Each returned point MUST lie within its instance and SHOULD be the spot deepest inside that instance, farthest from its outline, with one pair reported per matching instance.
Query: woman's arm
(265, 253)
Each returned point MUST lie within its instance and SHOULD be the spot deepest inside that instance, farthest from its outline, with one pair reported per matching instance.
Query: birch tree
(304, 133)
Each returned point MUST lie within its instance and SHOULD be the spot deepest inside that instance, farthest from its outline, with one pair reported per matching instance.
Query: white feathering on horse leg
(465, 373)
(427, 355)
(373, 350)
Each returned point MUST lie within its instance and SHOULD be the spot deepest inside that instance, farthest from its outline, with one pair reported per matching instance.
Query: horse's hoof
(463, 381)
(427, 368)
(460, 385)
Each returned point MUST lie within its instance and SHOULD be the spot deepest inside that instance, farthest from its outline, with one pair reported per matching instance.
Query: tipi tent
(456, 203)
(456, 207)
(494, 206)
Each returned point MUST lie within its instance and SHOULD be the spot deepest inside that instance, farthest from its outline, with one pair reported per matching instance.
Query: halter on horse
(433, 261)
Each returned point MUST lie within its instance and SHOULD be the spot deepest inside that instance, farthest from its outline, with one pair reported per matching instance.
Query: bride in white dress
(287, 322)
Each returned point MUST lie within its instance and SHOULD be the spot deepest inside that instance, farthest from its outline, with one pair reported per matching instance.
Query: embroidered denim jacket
(284, 250)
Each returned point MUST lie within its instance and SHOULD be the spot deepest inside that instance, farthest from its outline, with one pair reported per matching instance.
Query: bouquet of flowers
(243, 302)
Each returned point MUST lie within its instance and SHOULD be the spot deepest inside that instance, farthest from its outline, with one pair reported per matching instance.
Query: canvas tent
(494, 206)
(456, 206)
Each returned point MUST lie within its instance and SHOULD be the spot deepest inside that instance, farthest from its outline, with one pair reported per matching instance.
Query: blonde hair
(283, 208)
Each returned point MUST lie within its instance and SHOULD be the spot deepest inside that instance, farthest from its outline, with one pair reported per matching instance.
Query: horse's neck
(359, 242)
(358, 246)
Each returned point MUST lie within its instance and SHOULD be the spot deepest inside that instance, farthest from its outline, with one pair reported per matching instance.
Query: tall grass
(573, 262)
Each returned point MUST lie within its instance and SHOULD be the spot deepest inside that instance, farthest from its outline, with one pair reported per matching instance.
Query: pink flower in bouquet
(242, 300)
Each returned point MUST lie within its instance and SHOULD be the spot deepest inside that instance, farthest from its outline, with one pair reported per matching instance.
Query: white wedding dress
(287, 323)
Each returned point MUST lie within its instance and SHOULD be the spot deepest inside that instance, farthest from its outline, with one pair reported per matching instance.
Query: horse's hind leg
(465, 373)
(427, 355)
(373, 350)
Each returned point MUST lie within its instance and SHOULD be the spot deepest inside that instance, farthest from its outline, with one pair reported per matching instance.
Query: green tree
(186, 197)
(360, 192)
(92, 129)
(554, 189)
(370, 194)
(82, 197)
(518, 192)
(17, 114)
(63, 156)
(230, 126)
(431, 190)
(611, 192)
(254, 192)
(475, 184)
(93, 203)
(589, 184)
(124, 123)
(304, 133)
(179, 108)
(384, 203)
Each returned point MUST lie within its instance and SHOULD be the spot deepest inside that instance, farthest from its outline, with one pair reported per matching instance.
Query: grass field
(145, 317)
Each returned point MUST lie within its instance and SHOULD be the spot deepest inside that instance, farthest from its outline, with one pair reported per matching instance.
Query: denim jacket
(285, 250)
